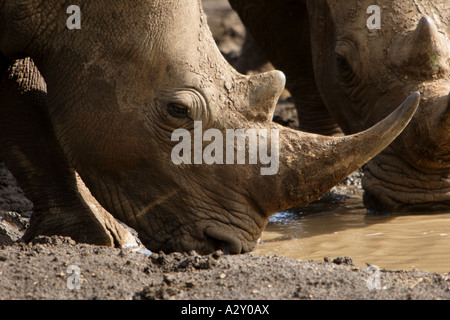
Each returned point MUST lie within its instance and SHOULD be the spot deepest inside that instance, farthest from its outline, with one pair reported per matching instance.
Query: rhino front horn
(310, 164)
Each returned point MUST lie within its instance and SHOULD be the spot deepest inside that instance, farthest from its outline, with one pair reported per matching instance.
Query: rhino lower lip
(223, 241)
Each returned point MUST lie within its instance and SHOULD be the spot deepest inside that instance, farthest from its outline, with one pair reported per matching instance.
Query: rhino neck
(21, 23)
(392, 184)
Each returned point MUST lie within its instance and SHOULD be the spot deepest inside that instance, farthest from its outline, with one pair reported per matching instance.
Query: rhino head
(362, 71)
(138, 72)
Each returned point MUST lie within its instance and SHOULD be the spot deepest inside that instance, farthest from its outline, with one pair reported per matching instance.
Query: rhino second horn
(265, 90)
(428, 50)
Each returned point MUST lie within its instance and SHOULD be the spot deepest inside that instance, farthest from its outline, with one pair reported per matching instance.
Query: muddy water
(340, 226)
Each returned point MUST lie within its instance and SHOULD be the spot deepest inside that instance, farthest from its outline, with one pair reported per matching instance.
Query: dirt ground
(47, 269)
(58, 268)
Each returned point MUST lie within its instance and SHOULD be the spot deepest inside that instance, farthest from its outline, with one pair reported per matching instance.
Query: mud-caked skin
(104, 101)
(361, 71)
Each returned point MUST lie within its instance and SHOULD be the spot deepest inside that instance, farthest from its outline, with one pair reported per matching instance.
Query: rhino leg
(281, 29)
(32, 154)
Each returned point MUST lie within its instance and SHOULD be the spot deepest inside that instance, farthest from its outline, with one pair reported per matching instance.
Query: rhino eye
(178, 110)
(345, 70)
(343, 64)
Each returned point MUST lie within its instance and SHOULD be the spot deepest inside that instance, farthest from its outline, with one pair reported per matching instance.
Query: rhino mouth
(204, 238)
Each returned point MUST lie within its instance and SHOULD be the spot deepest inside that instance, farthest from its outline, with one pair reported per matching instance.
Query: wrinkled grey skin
(341, 73)
(113, 94)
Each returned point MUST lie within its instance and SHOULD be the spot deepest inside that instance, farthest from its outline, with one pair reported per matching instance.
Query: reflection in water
(339, 225)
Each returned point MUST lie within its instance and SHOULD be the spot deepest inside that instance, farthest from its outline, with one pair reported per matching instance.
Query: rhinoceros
(104, 98)
(348, 62)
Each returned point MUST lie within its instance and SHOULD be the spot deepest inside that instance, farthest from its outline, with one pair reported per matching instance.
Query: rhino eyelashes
(178, 111)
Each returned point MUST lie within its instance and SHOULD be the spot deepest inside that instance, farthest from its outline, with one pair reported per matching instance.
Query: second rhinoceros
(347, 62)
(115, 91)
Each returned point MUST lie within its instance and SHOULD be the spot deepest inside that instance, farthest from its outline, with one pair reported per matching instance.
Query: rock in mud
(12, 227)
(344, 261)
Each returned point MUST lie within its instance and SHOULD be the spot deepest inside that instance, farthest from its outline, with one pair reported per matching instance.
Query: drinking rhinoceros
(117, 88)
(347, 62)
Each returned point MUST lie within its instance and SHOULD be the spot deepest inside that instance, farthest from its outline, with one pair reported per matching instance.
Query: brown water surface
(340, 226)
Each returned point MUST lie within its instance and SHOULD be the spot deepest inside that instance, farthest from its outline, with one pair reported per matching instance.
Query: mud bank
(58, 268)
